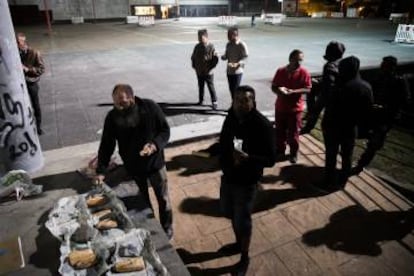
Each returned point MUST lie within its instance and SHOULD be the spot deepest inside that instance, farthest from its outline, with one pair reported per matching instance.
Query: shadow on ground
(192, 164)
(190, 258)
(355, 230)
(299, 176)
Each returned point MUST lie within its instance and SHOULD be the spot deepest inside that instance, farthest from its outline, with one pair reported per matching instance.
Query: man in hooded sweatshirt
(390, 94)
(333, 54)
(349, 106)
(140, 129)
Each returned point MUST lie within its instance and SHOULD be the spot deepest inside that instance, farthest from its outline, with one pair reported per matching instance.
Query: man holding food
(141, 130)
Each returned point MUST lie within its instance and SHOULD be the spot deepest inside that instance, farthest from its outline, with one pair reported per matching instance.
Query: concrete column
(19, 143)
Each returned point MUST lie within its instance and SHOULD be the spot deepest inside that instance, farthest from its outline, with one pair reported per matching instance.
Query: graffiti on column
(14, 124)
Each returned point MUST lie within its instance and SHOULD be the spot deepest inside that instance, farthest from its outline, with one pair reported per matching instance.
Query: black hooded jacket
(350, 104)
(132, 129)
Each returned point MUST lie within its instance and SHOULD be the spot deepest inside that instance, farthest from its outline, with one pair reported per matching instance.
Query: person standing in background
(236, 54)
(203, 60)
(390, 94)
(33, 68)
(289, 83)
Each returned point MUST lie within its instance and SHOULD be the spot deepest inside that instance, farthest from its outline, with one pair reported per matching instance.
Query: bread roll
(81, 259)
(102, 213)
(107, 224)
(130, 264)
(96, 200)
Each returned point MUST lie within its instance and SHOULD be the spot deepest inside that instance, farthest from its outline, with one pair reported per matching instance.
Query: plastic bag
(18, 181)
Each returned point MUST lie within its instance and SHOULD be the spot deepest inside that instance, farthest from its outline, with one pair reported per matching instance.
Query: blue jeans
(234, 82)
(236, 202)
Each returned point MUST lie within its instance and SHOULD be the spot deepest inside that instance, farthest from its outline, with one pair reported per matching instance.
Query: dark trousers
(337, 141)
(234, 82)
(209, 80)
(33, 89)
(236, 202)
(375, 142)
(158, 181)
(288, 125)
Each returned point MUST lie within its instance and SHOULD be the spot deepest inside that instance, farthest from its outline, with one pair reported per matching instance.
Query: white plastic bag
(18, 181)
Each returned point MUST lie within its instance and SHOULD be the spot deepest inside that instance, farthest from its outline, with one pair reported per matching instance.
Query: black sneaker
(293, 158)
(242, 266)
(356, 170)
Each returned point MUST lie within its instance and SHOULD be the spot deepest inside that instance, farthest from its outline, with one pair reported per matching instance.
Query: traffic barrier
(404, 34)
(399, 17)
(274, 18)
(146, 20)
(351, 13)
(77, 19)
(132, 19)
(226, 20)
(337, 14)
(319, 14)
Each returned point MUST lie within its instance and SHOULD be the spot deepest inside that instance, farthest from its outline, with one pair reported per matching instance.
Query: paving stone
(359, 196)
(266, 264)
(325, 257)
(365, 266)
(398, 258)
(307, 216)
(296, 260)
(277, 229)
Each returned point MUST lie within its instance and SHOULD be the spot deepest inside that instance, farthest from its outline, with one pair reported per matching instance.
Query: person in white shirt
(236, 54)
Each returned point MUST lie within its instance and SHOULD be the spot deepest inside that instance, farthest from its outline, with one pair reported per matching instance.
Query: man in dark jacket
(348, 108)
(247, 146)
(203, 60)
(333, 54)
(390, 94)
(33, 68)
(141, 131)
